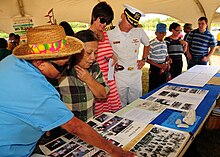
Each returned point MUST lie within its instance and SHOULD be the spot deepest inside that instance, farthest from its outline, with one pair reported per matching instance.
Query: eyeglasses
(60, 68)
(104, 20)
(178, 30)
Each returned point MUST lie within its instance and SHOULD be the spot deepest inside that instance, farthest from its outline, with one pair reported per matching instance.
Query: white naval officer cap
(133, 15)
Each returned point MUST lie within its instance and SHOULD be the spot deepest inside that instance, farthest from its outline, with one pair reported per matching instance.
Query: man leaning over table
(125, 40)
(34, 106)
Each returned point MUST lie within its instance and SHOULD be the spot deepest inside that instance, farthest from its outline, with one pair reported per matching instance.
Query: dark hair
(203, 18)
(102, 9)
(67, 28)
(84, 36)
(188, 25)
(17, 36)
(11, 35)
(173, 25)
(3, 43)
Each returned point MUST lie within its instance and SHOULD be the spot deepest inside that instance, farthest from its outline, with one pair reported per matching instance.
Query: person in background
(83, 82)
(34, 105)
(158, 58)
(10, 40)
(15, 42)
(187, 28)
(176, 48)
(218, 41)
(102, 15)
(67, 28)
(4, 52)
(125, 39)
(201, 44)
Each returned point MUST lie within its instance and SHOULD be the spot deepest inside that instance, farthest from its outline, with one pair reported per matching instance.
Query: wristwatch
(144, 59)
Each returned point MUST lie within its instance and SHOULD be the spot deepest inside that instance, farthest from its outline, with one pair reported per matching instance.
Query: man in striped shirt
(200, 40)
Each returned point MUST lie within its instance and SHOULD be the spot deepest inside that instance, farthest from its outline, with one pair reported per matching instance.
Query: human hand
(169, 61)
(189, 56)
(140, 64)
(163, 67)
(205, 59)
(82, 74)
(115, 59)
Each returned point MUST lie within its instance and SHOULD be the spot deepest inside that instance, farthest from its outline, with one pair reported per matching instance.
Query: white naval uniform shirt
(126, 47)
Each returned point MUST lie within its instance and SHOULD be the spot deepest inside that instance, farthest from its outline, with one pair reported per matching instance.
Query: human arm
(188, 54)
(89, 135)
(141, 63)
(185, 45)
(97, 88)
(161, 66)
(211, 51)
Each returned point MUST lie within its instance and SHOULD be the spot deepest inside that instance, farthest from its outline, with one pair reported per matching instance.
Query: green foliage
(78, 26)
(4, 35)
(150, 25)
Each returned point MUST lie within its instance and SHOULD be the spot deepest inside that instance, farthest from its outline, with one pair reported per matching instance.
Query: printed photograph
(109, 123)
(176, 104)
(163, 101)
(173, 95)
(187, 106)
(121, 126)
(182, 89)
(159, 142)
(102, 118)
(164, 93)
(65, 149)
(55, 144)
(175, 88)
(193, 90)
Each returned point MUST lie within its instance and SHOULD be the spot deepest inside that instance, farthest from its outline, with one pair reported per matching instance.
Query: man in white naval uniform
(125, 40)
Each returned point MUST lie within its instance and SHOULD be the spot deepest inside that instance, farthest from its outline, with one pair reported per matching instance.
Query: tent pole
(21, 7)
(200, 7)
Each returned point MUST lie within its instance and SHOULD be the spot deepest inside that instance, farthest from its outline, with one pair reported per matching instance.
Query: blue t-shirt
(29, 106)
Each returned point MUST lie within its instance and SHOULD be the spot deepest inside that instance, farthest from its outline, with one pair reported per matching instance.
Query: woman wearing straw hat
(34, 106)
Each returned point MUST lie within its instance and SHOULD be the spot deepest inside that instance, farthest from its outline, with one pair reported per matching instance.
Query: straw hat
(48, 41)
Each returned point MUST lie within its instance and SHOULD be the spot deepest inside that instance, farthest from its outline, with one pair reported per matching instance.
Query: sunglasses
(60, 68)
(104, 20)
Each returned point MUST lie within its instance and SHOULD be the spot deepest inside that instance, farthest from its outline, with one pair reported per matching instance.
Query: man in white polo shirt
(125, 39)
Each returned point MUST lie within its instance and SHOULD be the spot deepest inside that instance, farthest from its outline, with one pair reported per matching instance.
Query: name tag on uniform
(116, 42)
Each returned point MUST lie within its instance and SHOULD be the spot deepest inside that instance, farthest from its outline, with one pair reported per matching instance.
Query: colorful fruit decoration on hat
(47, 48)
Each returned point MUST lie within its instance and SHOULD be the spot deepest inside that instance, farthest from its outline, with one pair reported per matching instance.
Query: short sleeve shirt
(126, 44)
(76, 94)
(158, 51)
(29, 106)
